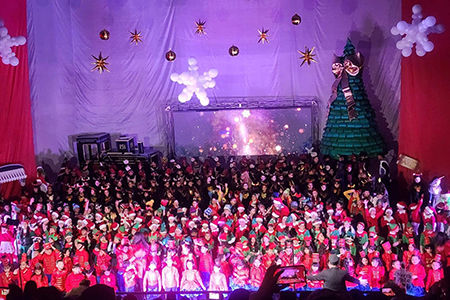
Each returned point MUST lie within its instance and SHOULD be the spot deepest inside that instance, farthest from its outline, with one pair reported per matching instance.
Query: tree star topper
(200, 25)
(307, 56)
(136, 37)
(100, 63)
(263, 35)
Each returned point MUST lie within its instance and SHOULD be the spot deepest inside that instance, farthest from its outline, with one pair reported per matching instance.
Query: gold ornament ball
(104, 34)
(170, 55)
(296, 19)
(233, 51)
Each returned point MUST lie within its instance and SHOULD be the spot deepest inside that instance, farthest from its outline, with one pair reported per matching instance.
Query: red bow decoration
(352, 66)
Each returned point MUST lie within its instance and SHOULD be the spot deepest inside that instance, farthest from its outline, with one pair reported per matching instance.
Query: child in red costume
(314, 285)
(48, 257)
(39, 276)
(218, 281)
(7, 276)
(395, 266)
(191, 280)
(81, 256)
(108, 279)
(205, 265)
(256, 274)
(170, 277)
(152, 280)
(436, 274)
(25, 272)
(418, 275)
(376, 274)
(73, 279)
(59, 276)
(240, 276)
(129, 277)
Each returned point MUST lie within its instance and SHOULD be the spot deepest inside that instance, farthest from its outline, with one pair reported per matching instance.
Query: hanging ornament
(100, 63)
(263, 35)
(170, 55)
(200, 25)
(307, 56)
(296, 19)
(104, 34)
(136, 37)
(416, 33)
(234, 51)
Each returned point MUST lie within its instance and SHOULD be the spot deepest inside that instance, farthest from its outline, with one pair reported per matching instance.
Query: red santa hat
(99, 214)
(139, 219)
(102, 225)
(390, 209)
(115, 226)
(401, 205)
(413, 206)
(372, 209)
(362, 224)
(347, 220)
(171, 218)
(277, 201)
(317, 222)
(241, 207)
(157, 220)
(205, 223)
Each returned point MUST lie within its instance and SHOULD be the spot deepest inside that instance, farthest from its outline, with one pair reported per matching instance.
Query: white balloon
(428, 46)
(204, 101)
(14, 61)
(430, 21)
(174, 77)
(184, 77)
(421, 36)
(21, 40)
(192, 61)
(192, 80)
(439, 28)
(183, 97)
(201, 94)
(421, 52)
(402, 26)
(3, 31)
(5, 60)
(213, 73)
(417, 9)
(212, 84)
(395, 31)
(400, 45)
(406, 52)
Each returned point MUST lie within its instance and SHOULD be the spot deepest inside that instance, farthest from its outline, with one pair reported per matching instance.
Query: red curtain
(425, 101)
(16, 138)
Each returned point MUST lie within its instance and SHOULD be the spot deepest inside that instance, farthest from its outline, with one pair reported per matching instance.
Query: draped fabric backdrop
(16, 131)
(424, 124)
(67, 98)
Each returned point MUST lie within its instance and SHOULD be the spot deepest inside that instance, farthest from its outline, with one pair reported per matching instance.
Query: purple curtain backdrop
(67, 98)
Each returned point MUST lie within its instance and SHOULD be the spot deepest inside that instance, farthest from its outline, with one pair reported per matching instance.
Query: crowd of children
(217, 225)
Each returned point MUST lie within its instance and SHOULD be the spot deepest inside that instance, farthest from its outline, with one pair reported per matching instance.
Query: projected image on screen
(242, 131)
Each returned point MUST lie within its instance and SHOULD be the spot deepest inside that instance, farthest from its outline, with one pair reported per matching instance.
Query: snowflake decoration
(200, 25)
(136, 37)
(246, 113)
(100, 63)
(263, 35)
(416, 33)
(307, 56)
(7, 56)
(195, 83)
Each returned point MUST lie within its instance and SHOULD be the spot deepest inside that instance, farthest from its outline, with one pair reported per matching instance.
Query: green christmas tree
(346, 133)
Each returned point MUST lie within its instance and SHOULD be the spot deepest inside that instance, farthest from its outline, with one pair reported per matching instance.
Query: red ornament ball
(170, 55)
(233, 51)
(104, 34)
(296, 19)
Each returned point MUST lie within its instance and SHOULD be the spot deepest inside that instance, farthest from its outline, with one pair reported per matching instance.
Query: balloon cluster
(6, 42)
(195, 83)
(416, 33)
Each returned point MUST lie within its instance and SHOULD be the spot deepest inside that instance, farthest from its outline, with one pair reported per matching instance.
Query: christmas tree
(351, 125)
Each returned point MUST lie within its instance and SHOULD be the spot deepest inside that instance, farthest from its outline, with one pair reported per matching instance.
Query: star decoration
(136, 37)
(200, 25)
(100, 63)
(246, 113)
(263, 35)
(307, 56)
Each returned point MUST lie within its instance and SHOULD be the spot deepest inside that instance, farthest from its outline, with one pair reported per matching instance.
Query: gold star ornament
(263, 35)
(307, 56)
(100, 63)
(136, 37)
(200, 26)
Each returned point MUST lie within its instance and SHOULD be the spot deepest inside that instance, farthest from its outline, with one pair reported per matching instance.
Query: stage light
(246, 113)
(299, 109)
(236, 120)
(278, 148)
(301, 130)
(286, 126)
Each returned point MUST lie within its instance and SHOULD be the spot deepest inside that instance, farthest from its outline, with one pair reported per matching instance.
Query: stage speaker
(141, 147)
(125, 144)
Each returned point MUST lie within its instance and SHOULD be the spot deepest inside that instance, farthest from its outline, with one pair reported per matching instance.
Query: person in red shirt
(39, 276)
(396, 265)
(314, 285)
(170, 277)
(90, 276)
(256, 274)
(109, 279)
(48, 257)
(376, 274)
(23, 274)
(81, 256)
(205, 265)
(7, 276)
(240, 276)
(436, 274)
(59, 276)
(73, 279)
(129, 277)
(418, 276)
